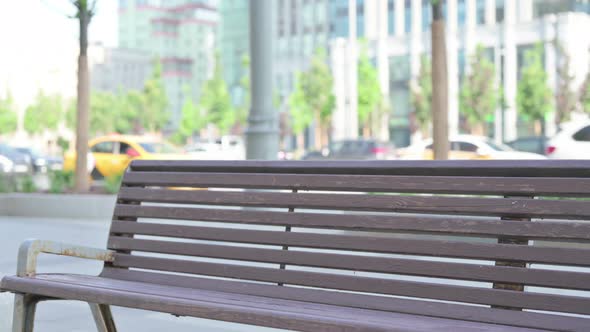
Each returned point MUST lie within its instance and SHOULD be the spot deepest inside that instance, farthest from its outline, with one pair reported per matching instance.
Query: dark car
(40, 163)
(20, 162)
(360, 149)
(535, 144)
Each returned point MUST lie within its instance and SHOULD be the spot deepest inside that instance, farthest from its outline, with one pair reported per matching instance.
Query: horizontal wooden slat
(508, 168)
(528, 300)
(365, 301)
(565, 256)
(372, 183)
(507, 207)
(400, 223)
(535, 277)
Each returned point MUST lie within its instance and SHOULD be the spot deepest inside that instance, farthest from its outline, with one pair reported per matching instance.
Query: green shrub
(26, 184)
(7, 184)
(60, 181)
(113, 183)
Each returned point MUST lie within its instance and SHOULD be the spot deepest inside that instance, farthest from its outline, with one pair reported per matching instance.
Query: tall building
(115, 69)
(181, 34)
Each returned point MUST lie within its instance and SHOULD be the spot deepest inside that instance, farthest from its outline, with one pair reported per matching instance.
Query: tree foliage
(421, 94)
(8, 116)
(244, 107)
(479, 95)
(193, 119)
(153, 115)
(216, 102)
(584, 94)
(369, 92)
(533, 97)
(313, 98)
(46, 113)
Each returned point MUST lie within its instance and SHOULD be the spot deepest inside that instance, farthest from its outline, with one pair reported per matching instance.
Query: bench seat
(234, 307)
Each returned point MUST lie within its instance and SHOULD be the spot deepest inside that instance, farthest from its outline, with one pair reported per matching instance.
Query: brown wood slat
(507, 168)
(364, 301)
(549, 255)
(578, 305)
(535, 277)
(384, 203)
(430, 224)
(371, 183)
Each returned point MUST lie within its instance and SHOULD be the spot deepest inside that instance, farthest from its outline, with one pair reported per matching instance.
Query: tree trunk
(440, 126)
(82, 122)
(300, 144)
(317, 137)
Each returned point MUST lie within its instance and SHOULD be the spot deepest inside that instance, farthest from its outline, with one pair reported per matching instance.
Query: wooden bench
(338, 246)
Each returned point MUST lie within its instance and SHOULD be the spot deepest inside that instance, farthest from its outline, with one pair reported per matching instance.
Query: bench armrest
(31, 248)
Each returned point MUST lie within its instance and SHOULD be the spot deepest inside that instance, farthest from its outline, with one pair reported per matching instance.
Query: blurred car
(571, 142)
(360, 149)
(468, 147)
(224, 148)
(21, 164)
(113, 153)
(40, 163)
(534, 144)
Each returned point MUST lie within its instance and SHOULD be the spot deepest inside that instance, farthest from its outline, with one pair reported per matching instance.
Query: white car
(571, 142)
(469, 147)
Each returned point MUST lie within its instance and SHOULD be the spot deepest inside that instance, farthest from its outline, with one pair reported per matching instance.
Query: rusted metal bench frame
(23, 318)
(281, 176)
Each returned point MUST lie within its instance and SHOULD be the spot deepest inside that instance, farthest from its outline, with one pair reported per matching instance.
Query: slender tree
(479, 95)
(84, 12)
(313, 97)
(440, 132)
(565, 97)
(216, 101)
(533, 97)
(193, 119)
(421, 95)
(301, 112)
(369, 93)
(8, 117)
(153, 116)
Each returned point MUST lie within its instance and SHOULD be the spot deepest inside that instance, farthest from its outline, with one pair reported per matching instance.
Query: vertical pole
(440, 117)
(262, 134)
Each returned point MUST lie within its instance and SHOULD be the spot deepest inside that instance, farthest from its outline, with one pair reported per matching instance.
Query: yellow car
(112, 154)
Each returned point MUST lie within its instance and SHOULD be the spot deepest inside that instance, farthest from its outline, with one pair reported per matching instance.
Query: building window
(500, 11)
(391, 17)
(426, 14)
(461, 12)
(481, 12)
(408, 16)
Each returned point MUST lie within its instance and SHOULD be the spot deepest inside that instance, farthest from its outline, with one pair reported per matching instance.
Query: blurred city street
(72, 316)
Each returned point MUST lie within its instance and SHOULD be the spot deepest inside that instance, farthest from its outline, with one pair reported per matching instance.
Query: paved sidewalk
(75, 316)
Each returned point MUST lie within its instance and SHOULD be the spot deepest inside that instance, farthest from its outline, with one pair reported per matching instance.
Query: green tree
(192, 120)
(584, 94)
(533, 97)
(369, 93)
(216, 101)
(421, 95)
(8, 117)
(313, 97)
(479, 96)
(47, 112)
(301, 112)
(244, 107)
(102, 106)
(565, 97)
(153, 115)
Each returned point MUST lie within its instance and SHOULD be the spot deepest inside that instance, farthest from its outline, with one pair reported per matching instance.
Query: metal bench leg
(103, 317)
(23, 318)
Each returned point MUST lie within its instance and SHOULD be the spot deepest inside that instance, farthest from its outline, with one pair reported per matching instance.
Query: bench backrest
(473, 232)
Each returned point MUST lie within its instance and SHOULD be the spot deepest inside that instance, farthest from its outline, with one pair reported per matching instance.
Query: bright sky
(39, 41)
